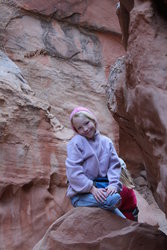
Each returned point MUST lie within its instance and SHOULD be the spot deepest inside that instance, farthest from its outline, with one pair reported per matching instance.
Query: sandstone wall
(60, 54)
(56, 55)
(137, 96)
(64, 52)
(30, 158)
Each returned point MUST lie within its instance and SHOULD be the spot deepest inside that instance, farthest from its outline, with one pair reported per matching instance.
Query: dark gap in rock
(160, 7)
(26, 187)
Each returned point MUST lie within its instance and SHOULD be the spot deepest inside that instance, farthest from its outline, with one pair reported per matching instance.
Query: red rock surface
(63, 58)
(105, 231)
(29, 156)
(65, 52)
(139, 99)
(61, 54)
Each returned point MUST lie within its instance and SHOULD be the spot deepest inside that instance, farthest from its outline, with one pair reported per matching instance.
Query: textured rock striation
(61, 54)
(64, 52)
(105, 231)
(29, 162)
(137, 98)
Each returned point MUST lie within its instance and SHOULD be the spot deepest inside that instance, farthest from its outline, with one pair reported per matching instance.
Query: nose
(85, 128)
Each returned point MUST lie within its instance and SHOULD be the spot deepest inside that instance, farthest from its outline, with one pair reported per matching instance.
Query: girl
(91, 155)
(129, 202)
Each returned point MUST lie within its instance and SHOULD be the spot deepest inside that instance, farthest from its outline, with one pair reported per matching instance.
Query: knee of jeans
(113, 200)
(74, 200)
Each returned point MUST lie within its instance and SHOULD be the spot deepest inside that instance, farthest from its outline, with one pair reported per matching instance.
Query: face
(84, 126)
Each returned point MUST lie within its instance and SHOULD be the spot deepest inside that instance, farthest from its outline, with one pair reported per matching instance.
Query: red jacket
(129, 202)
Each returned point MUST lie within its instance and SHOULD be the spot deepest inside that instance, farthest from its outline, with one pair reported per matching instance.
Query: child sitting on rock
(129, 202)
(91, 157)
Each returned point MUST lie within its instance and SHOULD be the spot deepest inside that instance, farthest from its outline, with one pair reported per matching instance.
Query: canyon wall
(59, 54)
(137, 93)
(54, 55)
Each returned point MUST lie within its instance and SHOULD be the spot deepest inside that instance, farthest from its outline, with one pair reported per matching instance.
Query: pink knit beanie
(79, 109)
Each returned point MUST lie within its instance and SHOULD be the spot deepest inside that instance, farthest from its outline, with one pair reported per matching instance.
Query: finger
(101, 197)
(103, 193)
(110, 192)
(98, 198)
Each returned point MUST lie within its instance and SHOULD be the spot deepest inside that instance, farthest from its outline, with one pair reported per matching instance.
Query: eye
(86, 123)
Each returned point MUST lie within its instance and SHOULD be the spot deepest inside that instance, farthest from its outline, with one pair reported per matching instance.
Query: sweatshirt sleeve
(78, 181)
(114, 171)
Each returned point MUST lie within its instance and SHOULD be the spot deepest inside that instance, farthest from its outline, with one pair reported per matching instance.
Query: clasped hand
(101, 194)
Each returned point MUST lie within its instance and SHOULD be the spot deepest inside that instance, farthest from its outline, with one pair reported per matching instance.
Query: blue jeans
(88, 200)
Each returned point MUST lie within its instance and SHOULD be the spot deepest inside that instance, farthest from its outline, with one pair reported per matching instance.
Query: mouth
(89, 133)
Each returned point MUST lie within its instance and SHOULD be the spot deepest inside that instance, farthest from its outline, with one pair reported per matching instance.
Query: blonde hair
(87, 115)
(126, 178)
